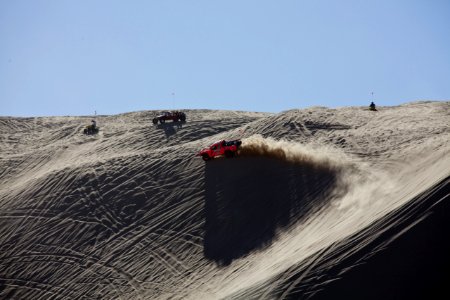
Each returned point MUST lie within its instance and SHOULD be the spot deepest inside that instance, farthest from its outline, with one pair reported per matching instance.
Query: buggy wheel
(206, 157)
(155, 121)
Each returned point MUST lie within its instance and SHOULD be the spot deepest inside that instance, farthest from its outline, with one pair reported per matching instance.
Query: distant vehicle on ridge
(91, 129)
(175, 116)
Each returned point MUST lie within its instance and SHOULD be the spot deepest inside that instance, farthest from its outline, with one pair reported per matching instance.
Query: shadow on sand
(170, 128)
(249, 198)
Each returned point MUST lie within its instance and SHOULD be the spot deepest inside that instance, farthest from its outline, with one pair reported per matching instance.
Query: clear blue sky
(73, 57)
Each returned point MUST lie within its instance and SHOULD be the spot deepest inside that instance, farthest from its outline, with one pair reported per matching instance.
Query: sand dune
(321, 203)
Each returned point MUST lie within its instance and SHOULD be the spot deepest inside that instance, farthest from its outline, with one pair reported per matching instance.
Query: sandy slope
(132, 214)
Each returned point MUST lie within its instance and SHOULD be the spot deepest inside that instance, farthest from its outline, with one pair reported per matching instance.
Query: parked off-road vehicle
(90, 129)
(175, 116)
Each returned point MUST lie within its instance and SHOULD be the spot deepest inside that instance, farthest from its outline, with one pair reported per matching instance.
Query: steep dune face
(83, 206)
(267, 195)
(132, 214)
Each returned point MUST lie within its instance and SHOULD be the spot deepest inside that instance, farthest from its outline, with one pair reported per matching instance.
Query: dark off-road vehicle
(90, 129)
(175, 116)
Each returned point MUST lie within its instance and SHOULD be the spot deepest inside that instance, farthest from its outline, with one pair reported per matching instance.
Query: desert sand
(321, 203)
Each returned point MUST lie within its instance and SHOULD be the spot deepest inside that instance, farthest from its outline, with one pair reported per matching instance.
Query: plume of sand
(350, 178)
(291, 152)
